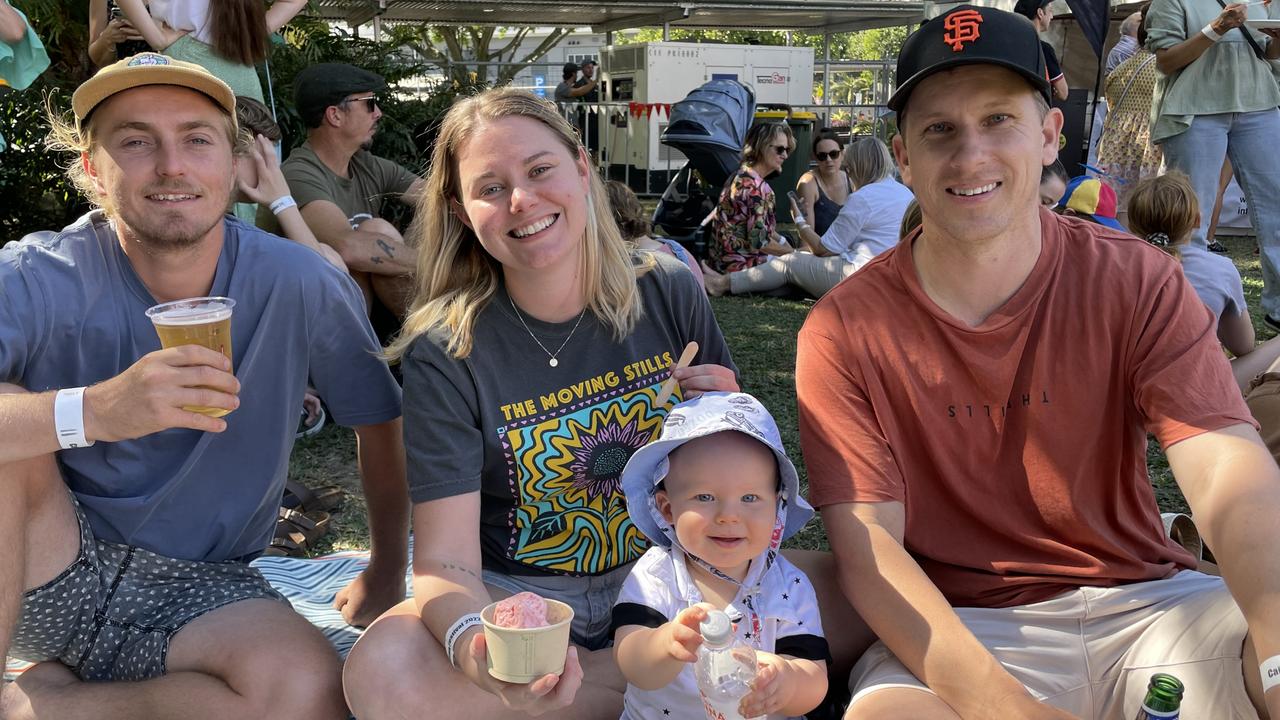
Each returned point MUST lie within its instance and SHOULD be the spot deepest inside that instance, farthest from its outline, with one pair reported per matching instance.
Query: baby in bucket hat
(716, 495)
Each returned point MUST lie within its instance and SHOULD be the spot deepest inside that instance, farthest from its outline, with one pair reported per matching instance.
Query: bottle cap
(716, 629)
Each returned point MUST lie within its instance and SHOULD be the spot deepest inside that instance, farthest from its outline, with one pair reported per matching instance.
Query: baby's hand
(770, 691)
(683, 636)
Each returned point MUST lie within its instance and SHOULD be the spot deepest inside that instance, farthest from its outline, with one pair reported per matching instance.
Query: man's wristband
(1270, 672)
(68, 418)
(455, 631)
(1210, 33)
(282, 203)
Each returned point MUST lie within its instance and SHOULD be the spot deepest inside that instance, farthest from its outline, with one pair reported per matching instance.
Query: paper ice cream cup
(522, 655)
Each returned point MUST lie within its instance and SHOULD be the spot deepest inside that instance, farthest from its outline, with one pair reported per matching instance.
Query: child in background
(1053, 183)
(1164, 211)
(716, 495)
(261, 187)
(1090, 198)
(635, 227)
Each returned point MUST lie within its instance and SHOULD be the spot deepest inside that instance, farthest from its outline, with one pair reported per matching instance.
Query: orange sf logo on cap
(962, 27)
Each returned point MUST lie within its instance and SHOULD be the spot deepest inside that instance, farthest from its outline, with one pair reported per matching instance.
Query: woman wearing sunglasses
(866, 226)
(743, 228)
(824, 189)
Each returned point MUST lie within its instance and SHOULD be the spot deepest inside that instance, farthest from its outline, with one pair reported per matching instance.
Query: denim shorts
(591, 597)
(111, 614)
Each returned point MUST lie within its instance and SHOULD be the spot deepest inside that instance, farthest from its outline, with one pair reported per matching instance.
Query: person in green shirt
(1217, 98)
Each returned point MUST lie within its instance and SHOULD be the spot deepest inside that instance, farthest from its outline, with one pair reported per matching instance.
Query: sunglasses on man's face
(827, 155)
(371, 102)
(782, 149)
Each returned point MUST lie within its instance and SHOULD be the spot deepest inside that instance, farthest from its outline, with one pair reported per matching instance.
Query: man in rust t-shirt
(974, 410)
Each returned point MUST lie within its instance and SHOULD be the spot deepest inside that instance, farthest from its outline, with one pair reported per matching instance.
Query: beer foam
(190, 313)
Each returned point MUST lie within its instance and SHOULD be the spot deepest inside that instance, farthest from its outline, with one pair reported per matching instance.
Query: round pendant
(553, 362)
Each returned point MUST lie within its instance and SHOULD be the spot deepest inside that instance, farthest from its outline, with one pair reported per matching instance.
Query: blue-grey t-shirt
(73, 314)
(1215, 279)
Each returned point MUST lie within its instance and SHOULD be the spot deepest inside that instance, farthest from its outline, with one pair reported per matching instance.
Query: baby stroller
(708, 127)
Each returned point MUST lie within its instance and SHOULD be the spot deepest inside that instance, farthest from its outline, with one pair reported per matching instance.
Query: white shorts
(1092, 651)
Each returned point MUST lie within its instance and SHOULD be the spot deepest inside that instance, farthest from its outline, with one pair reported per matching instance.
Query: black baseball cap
(589, 61)
(319, 86)
(970, 35)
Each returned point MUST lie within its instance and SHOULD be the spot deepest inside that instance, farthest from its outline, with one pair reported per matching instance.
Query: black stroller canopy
(709, 126)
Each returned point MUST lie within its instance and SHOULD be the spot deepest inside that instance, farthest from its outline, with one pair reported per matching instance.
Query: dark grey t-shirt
(546, 446)
(73, 315)
(562, 92)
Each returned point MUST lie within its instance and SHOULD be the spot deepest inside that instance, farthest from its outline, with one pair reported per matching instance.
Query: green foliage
(308, 41)
(467, 51)
(875, 44)
(406, 113)
(36, 194)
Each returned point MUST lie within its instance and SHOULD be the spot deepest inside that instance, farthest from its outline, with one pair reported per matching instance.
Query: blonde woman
(532, 356)
(866, 226)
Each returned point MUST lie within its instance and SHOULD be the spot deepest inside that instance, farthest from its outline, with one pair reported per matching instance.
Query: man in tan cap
(129, 519)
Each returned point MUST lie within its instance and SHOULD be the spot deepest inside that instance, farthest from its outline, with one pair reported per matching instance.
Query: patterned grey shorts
(112, 613)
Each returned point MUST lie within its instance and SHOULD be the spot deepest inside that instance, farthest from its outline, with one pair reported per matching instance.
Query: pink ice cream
(523, 610)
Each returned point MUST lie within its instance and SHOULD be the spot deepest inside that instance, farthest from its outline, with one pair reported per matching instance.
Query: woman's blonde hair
(1164, 211)
(867, 161)
(456, 278)
(912, 218)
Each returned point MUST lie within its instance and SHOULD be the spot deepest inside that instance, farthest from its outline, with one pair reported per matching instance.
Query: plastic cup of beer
(203, 321)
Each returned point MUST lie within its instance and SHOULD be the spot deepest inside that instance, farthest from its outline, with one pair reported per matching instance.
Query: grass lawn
(761, 333)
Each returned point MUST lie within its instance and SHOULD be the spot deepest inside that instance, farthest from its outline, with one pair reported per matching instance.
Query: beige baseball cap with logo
(149, 69)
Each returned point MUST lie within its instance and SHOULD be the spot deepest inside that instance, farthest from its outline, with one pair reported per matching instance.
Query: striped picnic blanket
(310, 585)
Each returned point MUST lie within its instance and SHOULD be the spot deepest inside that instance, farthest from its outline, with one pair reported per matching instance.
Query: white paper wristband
(68, 418)
(1270, 672)
(455, 631)
(1210, 33)
(282, 203)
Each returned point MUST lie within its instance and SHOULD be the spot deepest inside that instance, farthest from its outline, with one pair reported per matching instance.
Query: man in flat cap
(128, 518)
(340, 186)
(974, 408)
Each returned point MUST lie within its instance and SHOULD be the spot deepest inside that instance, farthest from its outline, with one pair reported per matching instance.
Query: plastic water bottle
(725, 668)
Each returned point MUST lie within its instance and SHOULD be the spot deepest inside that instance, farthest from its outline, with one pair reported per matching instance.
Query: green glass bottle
(1163, 700)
